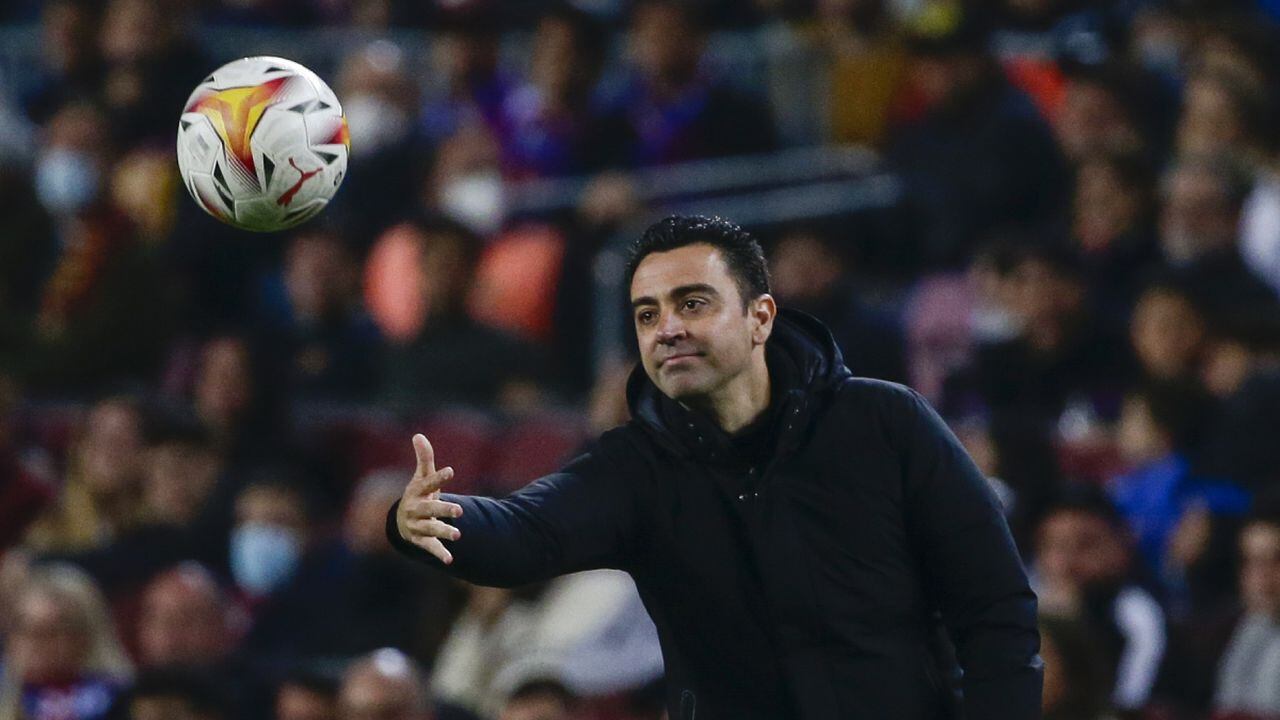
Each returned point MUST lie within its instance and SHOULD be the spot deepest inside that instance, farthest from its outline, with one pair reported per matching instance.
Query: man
(384, 685)
(186, 620)
(307, 695)
(792, 530)
(1247, 674)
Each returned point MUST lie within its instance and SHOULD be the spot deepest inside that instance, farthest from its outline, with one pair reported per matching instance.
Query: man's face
(1260, 571)
(1198, 217)
(1080, 549)
(1167, 333)
(663, 43)
(694, 334)
(295, 702)
(182, 622)
(369, 695)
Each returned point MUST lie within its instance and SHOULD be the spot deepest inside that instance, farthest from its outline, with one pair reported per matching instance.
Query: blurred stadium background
(1057, 219)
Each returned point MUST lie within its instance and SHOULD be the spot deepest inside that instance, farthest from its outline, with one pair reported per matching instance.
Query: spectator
(867, 62)
(307, 696)
(1113, 227)
(549, 125)
(1223, 115)
(381, 102)
(1243, 369)
(1199, 227)
(177, 517)
(1168, 330)
(181, 469)
(102, 314)
(187, 621)
(978, 158)
(328, 347)
(1053, 361)
(465, 183)
(1083, 572)
(1076, 677)
(270, 536)
(1101, 114)
(1159, 432)
(63, 660)
(230, 401)
(441, 355)
(674, 112)
(1246, 686)
(144, 187)
(148, 65)
(494, 630)
(102, 496)
(70, 62)
(810, 274)
(383, 601)
(469, 86)
(384, 685)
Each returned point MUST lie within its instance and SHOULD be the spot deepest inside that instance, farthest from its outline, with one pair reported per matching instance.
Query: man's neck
(741, 401)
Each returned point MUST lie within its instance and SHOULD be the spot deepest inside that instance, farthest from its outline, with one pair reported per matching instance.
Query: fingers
(432, 508)
(433, 528)
(435, 547)
(433, 481)
(426, 456)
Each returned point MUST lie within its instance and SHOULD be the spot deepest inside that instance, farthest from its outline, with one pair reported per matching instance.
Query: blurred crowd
(201, 429)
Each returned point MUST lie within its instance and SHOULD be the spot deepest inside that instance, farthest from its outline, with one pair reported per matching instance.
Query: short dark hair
(741, 251)
(1086, 499)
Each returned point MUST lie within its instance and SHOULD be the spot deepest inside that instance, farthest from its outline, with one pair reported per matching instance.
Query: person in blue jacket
(799, 536)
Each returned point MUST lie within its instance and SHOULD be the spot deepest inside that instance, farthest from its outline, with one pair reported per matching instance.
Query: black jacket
(806, 586)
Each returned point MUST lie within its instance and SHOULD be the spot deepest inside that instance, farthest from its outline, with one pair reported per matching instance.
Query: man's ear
(762, 311)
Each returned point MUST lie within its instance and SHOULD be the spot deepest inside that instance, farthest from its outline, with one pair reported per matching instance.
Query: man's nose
(670, 328)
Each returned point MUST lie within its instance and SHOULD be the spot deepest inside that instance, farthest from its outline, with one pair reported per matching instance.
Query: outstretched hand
(418, 516)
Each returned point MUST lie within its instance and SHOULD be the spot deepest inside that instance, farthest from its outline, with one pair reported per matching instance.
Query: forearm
(500, 546)
(580, 518)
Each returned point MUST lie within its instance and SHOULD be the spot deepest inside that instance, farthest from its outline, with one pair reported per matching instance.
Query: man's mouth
(679, 358)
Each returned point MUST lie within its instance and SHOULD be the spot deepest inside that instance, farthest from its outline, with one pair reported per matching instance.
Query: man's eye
(692, 304)
(645, 317)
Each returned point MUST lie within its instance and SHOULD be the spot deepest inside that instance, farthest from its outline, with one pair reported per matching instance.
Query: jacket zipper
(688, 705)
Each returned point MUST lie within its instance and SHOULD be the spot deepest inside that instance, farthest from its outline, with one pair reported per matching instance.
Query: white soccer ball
(263, 144)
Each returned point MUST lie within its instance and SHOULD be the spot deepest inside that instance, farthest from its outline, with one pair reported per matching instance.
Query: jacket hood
(805, 368)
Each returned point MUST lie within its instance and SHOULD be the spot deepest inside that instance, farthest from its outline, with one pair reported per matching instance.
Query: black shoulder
(879, 394)
(895, 408)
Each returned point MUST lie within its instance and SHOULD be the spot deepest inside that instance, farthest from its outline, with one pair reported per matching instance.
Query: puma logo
(287, 197)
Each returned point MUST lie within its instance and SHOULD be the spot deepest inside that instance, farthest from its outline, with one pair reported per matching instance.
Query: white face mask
(264, 557)
(66, 181)
(475, 200)
(374, 123)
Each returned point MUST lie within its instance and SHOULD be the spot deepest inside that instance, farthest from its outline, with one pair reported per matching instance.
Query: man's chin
(682, 388)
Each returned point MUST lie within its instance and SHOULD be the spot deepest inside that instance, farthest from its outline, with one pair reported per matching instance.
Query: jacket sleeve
(971, 568)
(580, 518)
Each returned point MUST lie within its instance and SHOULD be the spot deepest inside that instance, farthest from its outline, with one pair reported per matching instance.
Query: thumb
(426, 456)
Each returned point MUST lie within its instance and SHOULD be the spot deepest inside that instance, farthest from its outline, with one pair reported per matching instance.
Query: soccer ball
(262, 144)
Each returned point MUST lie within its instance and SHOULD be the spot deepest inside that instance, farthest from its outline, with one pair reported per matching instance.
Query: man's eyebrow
(677, 292)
